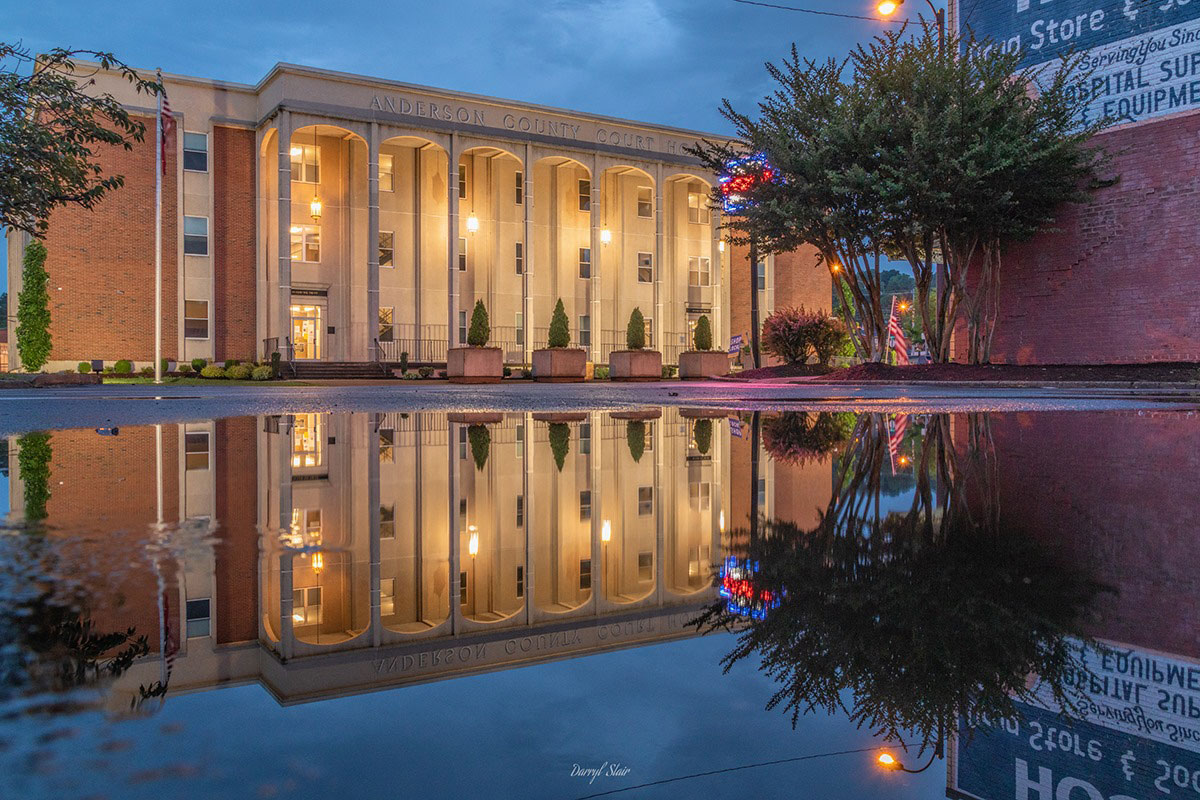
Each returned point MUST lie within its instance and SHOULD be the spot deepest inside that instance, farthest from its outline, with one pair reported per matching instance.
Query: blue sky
(665, 61)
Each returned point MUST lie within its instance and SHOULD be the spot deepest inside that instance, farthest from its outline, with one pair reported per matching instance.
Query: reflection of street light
(605, 236)
(472, 224)
(721, 246)
(473, 541)
(721, 521)
(318, 563)
(606, 532)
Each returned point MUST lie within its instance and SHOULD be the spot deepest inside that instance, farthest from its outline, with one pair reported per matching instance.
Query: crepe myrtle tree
(52, 128)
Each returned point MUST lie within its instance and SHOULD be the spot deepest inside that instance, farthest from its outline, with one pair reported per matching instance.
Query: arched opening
(565, 264)
(628, 253)
(692, 261)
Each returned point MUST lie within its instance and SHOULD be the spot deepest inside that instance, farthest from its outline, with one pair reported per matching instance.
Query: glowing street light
(888, 7)
(314, 209)
(886, 760)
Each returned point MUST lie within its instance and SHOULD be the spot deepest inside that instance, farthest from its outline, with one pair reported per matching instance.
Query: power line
(822, 13)
(728, 769)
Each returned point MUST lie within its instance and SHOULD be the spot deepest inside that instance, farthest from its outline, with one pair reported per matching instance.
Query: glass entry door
(306, 332)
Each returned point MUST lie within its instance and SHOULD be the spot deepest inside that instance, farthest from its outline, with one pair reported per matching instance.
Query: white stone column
(287, 633)
(596, 217)
(452, 499)
(527, 256)
(452, 249)
(720, 335)
(373, 251)
(371, 448)
(660, 249)
(284, 189)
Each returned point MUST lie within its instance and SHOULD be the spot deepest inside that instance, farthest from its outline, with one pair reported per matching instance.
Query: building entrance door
(306, 332)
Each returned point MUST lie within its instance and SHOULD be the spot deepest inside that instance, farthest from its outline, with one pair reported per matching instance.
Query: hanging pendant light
(314, 208)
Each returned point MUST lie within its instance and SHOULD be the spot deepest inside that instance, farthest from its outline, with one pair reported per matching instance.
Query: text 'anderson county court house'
(342, 218)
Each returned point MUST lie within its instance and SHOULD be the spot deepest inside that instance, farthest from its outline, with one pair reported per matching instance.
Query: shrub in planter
(481, 443)
(480, 331)
(558, 361)
(600, 372)
(239, 372)
(702, 361)
(560, 442)
(404, 363)
(560, 327)
(702, 335)
(635, 331)
(198, 364)
(212, 371)
(263, 373)
(84, 367)
(508, 372)
(123, 367)
(425, 372)
(635, 437)
(702, 435)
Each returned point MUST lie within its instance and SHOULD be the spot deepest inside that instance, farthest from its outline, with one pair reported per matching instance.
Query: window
(762, 492)
(519, 188)
(195, 319)
(645, 267)
(645, 501)
(195, 236)
(520, 257)
(462, 327)
(585, 262)
(462, 512)
(585, 573)
(520, 320)
(387, 446)
(649, 437)
(700, 495)
(649, 332)
(386, 317)
(199, 618)
(585, 505)
(462, 456)
(585, 194)
(387, 522)
(306, 243)
(306, 163)
(462, 588)
(195, 152)
(585, 330)
(387, 249)
(462, 181)
(387, 172)
(387, 597)
(585, 439)
(462, 254)
(761, 270)
(306, 441)
(521, 445)
(520, 511)
(645, 201)
(699, 271)
(520, 580)
(698, 208)
(306, 605)
(645, 566)
(195, 449)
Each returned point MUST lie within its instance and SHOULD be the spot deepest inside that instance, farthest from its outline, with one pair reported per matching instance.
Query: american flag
(896, 428)
(896, 333)
(165, 120)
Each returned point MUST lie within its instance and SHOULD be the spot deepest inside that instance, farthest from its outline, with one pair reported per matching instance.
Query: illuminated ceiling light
(888, 7)
(605, 236)
(606, 531)
(472, 224)
(314, 209)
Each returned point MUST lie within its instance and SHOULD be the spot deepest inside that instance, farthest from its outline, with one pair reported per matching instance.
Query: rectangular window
(761, 271)
(387, 597)
(585, 573)
(306, 243)
(519, 188)
(700, 495)
(699, 271)
(195, 152)
(762, 492)
(698, 208)
(520, 580)
(585, 505)
(195, 236)
(462, 254)
(387, 331)
(520, 511)
(462, 327)
(462, 456)
(520, 320)
(645, 201)
(387, 172)
(307, 443)
(387, 249)
(387, 522)
(306, 163)
(645, 267)
(585, 194)
(649, 332)
(462, 512)
(649, 436)
(520, 257)
(585, 330)
(521, 445)
(306, 605)
(645, 500)
(387, 446)
(462, 181)
(195, 319)
(462, 588)
(645, 566)
(585, 439)
(199, 618)
(585, 262)
(195, 448)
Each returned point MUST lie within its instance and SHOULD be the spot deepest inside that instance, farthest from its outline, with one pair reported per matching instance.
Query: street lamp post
(889, 7)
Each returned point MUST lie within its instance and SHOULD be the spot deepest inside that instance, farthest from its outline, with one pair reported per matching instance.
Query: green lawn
(175, 381)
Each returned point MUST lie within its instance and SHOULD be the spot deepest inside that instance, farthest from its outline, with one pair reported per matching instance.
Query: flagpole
(158, 172)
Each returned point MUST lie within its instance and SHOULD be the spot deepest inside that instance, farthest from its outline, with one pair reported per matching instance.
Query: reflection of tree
(922, 615)
(702, 435)
(560, 442)
(481, 443)
(635, 437)
(801, 437)
(34, 460)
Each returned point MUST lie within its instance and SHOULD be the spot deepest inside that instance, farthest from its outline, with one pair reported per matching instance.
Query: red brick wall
(798, 282)
(1117, 283)
(234, 333)
(236, 495)
(103, 260)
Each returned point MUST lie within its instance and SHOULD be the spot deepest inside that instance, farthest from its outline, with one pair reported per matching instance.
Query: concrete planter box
(702, 413)
(475, 364)
(559, 364)
(635, 365)
(640, 415)
(698, 364)
(560, 416)
(475, 418)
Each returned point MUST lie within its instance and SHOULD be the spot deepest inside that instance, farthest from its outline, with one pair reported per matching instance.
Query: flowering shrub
(802, 437)
(791, 334)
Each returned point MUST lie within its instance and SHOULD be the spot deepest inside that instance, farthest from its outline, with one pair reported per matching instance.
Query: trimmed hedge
(262, 373)
(212, 371)
(239, 372)
(123, 367)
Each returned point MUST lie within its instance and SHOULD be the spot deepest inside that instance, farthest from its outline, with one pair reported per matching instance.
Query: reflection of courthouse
(388, 555)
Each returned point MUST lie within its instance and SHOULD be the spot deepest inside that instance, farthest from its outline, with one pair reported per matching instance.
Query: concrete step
(323, 370)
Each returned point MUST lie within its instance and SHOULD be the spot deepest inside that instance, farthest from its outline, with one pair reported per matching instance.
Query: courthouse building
(340, 218)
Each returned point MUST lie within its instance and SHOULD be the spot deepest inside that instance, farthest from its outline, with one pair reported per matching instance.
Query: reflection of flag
(896, 428)
(896, 333)
(735, 427)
